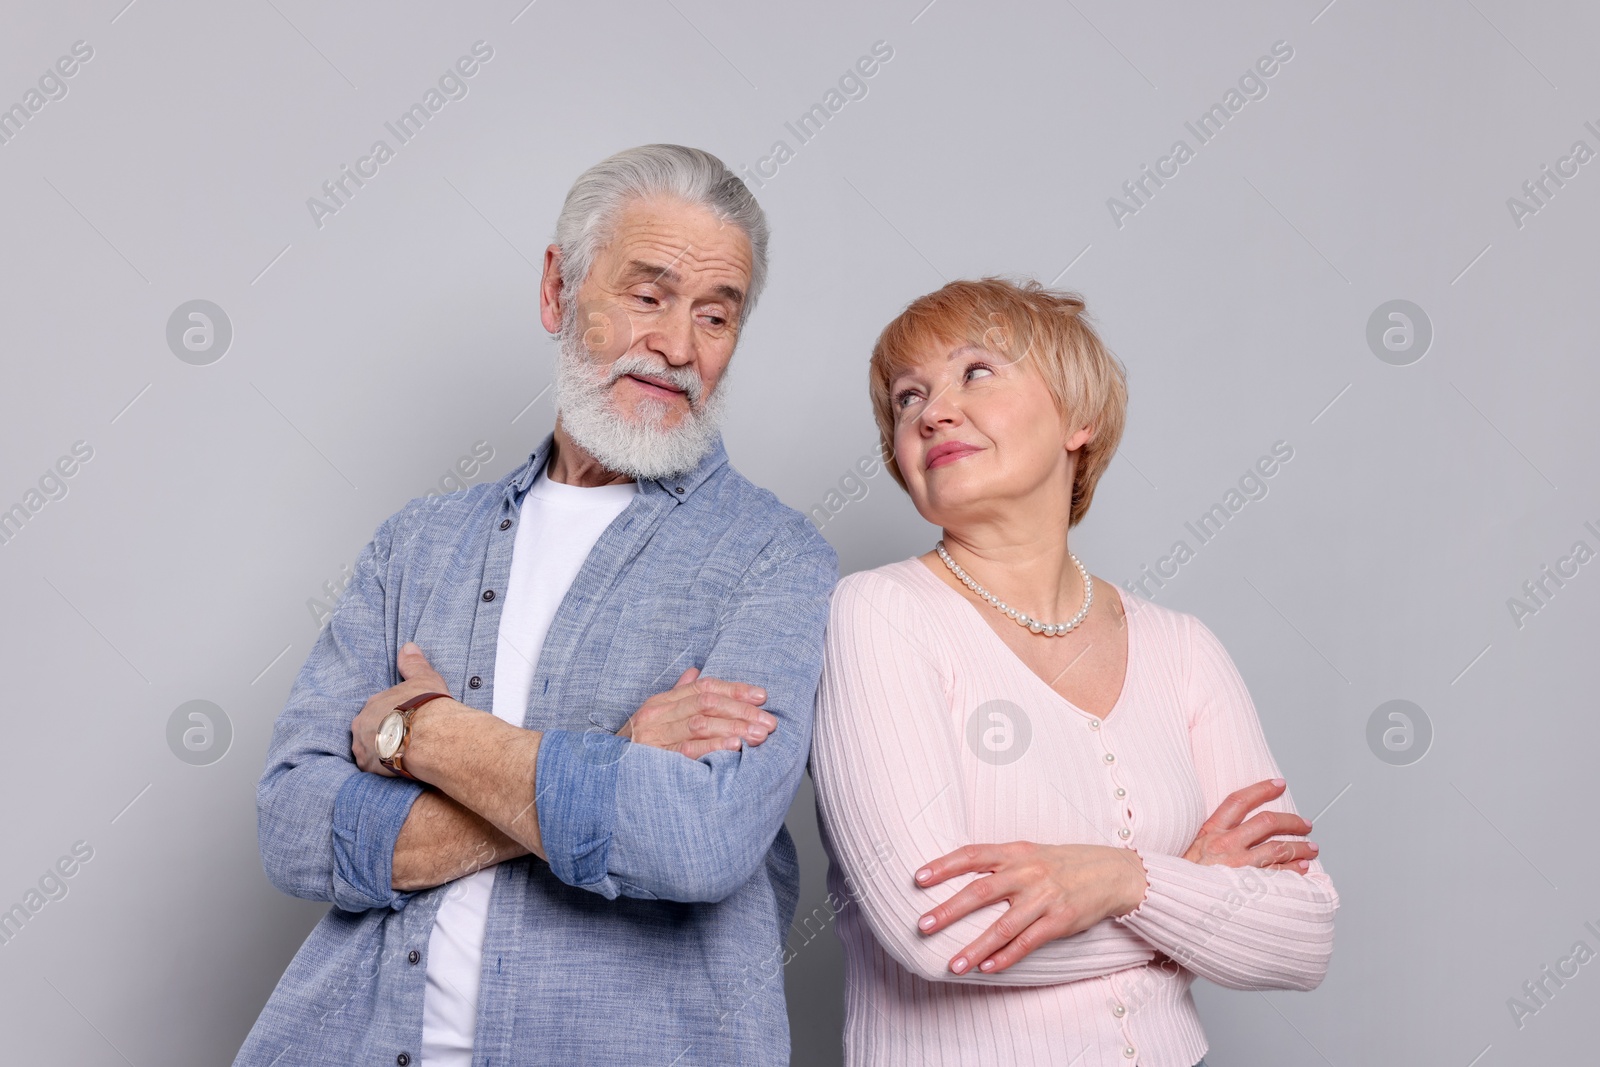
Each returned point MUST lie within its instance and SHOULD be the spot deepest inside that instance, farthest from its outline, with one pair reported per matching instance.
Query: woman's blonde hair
(1046, 327)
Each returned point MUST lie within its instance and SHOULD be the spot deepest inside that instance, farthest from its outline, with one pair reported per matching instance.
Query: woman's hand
(700, 715)
(1053, 891)
(1224, 840)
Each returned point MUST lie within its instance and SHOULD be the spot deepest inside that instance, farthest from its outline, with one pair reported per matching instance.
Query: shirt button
(1130, 1052)
(505, 524)
(488, 594)
(1121, 792)
(1111, 758)
(1124, 833)
(413, 956)
(404, 1061)
(1119, 1011)
(474, 682)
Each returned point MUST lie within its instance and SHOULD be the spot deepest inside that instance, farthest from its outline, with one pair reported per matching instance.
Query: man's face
(658, 314)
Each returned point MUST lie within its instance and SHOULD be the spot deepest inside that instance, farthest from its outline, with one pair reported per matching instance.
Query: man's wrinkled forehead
(635, 271)
(676, 244)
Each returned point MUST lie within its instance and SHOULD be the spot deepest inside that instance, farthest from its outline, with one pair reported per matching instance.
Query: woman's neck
(1031, 571)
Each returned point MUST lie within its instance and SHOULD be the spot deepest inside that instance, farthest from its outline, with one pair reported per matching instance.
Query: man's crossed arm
(681, 804)
(483, 808)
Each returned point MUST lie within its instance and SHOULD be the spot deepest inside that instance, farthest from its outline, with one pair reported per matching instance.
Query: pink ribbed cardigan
(932, 734)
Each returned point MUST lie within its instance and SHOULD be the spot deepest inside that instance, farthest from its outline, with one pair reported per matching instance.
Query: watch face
(391, 731)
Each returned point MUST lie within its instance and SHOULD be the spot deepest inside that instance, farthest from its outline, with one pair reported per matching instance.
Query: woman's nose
(941, 410)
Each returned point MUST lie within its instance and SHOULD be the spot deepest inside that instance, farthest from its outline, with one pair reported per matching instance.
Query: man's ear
(550, 291)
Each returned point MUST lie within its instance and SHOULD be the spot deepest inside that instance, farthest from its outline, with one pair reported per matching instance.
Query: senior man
(540, 757)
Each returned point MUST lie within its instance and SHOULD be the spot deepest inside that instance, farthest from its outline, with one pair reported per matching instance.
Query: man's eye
(646, 298)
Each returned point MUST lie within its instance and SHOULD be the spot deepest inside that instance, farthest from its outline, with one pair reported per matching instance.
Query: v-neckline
(979, 621)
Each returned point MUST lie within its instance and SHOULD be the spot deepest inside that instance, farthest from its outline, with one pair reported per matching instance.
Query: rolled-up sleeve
(623, 819)
(577, 784)
(368, 812)
(327, 829)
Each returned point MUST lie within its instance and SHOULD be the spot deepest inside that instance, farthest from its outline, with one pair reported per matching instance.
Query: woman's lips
(947, 453)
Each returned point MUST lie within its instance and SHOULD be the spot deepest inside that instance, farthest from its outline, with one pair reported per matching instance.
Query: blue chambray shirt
(654, 934)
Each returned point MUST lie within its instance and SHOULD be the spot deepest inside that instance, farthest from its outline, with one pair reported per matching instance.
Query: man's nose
(674, 337)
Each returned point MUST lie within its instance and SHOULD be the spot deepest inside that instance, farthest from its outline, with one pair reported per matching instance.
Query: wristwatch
(395, 730)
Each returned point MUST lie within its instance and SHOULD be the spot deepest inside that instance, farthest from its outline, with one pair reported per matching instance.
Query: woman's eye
(978, 368)
(902, 396)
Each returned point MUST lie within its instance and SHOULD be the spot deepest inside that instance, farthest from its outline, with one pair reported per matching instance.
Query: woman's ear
(1080, 437)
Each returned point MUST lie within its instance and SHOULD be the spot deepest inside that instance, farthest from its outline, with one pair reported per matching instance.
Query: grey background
(368, 355)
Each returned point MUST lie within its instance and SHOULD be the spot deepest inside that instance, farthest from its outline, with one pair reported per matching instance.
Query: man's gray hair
(589, 215)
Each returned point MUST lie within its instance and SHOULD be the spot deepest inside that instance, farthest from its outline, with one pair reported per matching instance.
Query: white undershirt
(559, 525)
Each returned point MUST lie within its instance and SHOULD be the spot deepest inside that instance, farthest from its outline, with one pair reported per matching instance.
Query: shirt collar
(679, 487)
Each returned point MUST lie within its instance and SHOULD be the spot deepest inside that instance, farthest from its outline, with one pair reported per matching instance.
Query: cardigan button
(488, 594)
(404, 1060)
(413, 956)
(505, 524)
(474, 682)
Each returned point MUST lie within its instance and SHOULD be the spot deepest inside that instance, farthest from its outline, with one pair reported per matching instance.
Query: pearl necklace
(1048, 629)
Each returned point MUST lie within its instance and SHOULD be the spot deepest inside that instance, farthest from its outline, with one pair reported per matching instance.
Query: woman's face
(977, 433)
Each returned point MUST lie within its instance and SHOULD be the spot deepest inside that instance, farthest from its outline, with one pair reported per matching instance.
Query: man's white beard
(635, 445)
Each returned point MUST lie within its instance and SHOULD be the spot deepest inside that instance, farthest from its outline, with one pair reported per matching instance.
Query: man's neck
(571, 465)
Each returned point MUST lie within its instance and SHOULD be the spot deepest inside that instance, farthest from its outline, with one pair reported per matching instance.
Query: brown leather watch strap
(419, 700)
(397, 762)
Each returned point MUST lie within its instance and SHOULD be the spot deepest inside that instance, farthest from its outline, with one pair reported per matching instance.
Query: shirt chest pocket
(649, 648)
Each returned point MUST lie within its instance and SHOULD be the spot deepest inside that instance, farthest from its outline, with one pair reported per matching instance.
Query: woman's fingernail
(1313, 846)
(959, 964)
(925, 922)
(1304, 865)
(1277, 781)
(924, 874)
(986, 965)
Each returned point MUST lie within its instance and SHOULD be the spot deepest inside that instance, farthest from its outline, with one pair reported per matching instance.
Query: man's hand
(419, 677)
(700, 715)
(1228, 839)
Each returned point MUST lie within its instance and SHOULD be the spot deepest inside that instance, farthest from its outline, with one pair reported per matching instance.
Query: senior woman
(1014, 761)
